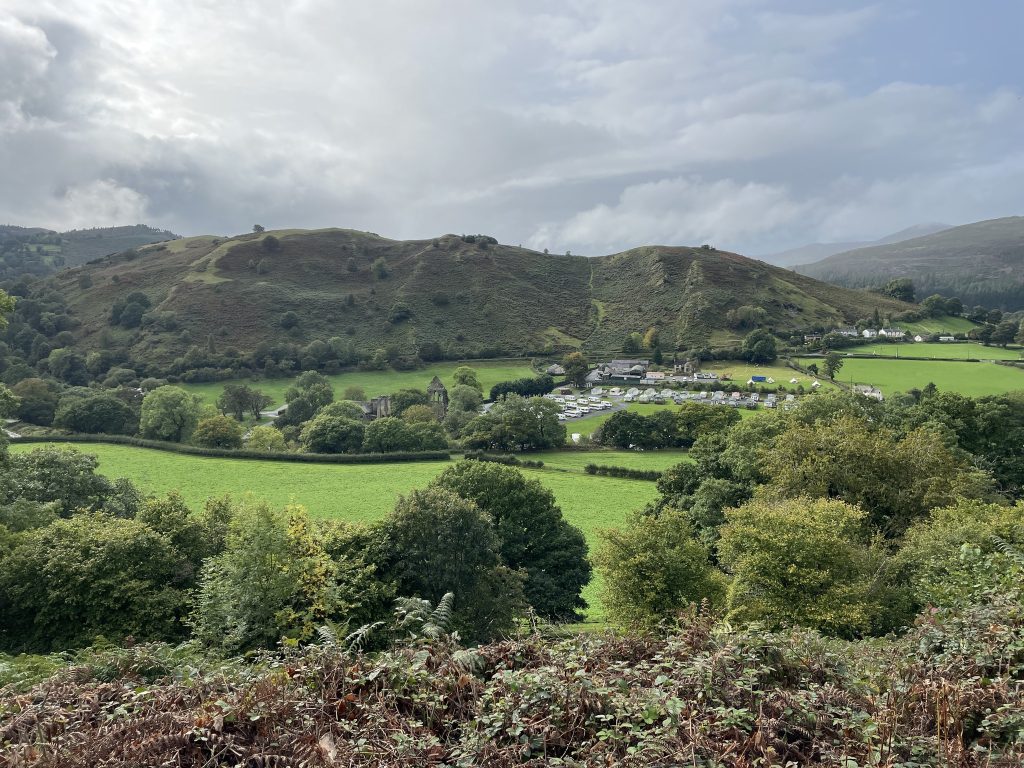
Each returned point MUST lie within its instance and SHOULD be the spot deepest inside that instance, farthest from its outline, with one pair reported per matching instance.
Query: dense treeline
(530, 386)
(665, 429)
(313, 421)
(83, 558)
(845, 515)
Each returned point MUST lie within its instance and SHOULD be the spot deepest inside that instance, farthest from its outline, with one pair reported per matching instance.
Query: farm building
(555, 370)
(869, 391)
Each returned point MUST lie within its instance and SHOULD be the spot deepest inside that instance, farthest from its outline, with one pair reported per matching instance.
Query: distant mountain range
(37, 251)
(806, 254)
(980, 263)
(453, 295)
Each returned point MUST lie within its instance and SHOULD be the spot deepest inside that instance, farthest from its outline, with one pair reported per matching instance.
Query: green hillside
(451, 296)
(37, 251)
(981, 263)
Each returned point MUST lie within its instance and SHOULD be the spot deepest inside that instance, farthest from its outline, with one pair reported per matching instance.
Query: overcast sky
(589, 125)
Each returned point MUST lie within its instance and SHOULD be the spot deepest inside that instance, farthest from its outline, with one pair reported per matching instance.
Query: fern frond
(469, 660)
(440, 619)
(328, 634)
(356, 640)
(1009, 550)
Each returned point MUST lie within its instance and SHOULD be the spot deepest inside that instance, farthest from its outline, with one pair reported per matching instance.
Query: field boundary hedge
(626, 472)
(194, 450)
(508, 459)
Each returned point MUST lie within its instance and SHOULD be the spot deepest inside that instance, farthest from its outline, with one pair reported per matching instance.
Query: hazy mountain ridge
(812, 252)
(39, 251)
(981, 263)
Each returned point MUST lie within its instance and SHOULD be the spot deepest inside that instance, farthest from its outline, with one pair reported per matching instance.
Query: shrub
(806, 562)
(653, 569)
(218, 432)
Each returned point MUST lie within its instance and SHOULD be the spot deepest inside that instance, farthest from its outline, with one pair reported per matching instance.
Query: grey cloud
(591, 125)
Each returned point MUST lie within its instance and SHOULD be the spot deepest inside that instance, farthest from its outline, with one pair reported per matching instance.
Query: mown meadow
(966, 350)
(891, 375)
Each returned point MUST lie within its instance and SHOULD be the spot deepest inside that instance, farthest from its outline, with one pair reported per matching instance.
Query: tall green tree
(169, 413)
(218, 432)
(833, 362)
(760, 347)
(533, 534)
(467, 377)
(37, 401)
(329, 433)
(576, 368)
(272, 580)
(517, 423)
(895, 479)
(437, 542)
(388, 435)
(900, 288)
(64, 477)
(266, 439)
(99, 413)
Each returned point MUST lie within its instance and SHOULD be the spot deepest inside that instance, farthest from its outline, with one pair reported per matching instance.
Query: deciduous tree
(533, 534)
(169, 413)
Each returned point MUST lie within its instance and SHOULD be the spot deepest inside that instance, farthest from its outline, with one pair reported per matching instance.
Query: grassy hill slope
(982, 263)
(464, 298)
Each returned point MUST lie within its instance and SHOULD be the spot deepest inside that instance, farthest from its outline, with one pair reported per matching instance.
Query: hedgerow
(193, 450)
(508, 459)
(631, 474)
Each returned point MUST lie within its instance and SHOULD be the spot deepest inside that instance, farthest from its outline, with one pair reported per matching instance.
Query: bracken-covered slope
(467, 297)
(981, 263)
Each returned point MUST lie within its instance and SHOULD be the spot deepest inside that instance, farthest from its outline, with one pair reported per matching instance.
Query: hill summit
(455, 295)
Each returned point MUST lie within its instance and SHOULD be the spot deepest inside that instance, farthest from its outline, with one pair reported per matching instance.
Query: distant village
(875, 333)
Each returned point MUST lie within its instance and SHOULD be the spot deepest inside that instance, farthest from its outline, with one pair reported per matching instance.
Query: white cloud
(674, 211)
(98, 204)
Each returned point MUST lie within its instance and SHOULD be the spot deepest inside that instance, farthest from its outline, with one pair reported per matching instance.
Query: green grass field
(362, 493)
(940, 325)
(376, 383)
(960, 350)
(973, 379)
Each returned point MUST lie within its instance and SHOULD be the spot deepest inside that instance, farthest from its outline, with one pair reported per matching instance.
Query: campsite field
(740, 372)
(889, 375)
(964, 350)
(489, 373)
(362, 493)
